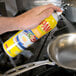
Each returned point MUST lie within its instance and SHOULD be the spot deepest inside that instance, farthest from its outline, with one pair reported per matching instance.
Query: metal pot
(62, 51)
(44, 2)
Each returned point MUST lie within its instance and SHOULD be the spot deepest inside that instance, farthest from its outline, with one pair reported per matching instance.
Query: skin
(27, 20)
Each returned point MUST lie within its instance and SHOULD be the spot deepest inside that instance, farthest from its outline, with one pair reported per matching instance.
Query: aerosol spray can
(25, 38)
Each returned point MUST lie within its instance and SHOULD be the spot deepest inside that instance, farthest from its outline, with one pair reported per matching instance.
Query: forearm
(7, 24)
(13, 23)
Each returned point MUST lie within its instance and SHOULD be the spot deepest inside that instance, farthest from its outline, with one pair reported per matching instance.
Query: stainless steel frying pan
(62, 51)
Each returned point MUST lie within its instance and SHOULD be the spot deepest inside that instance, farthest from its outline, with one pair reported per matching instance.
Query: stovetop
(38, 52)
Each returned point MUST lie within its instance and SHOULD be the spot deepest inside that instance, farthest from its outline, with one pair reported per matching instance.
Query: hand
(33, 17)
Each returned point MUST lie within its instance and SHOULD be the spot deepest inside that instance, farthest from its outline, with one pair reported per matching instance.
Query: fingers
(44, 7)
(52, 6)
(56, 9)
(40, 9)
(46, 13)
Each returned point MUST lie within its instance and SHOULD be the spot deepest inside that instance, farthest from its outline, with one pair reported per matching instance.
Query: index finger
(56, 8)
(44, 7)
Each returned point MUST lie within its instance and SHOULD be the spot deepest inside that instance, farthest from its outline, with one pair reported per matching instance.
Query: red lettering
(45, 26)
(48, 29)
(43, 22)
(6, 45)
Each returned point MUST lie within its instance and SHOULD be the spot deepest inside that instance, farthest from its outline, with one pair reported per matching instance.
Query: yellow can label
(24, 39)
(19, 42)
(11, 48)
(46, 26)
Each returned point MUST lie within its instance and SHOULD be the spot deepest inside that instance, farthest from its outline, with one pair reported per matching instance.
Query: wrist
(7, 24)
(14, 21)
(17, 23)
(14, 24)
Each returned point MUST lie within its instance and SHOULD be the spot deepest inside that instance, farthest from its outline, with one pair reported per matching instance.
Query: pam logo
(45, 26)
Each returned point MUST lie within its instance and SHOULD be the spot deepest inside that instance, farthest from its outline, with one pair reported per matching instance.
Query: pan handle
(26, 67)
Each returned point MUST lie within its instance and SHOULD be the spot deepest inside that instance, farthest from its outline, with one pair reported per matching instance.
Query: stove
(38, 52)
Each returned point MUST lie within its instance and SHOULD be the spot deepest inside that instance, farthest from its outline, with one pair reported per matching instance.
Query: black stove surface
(39, 51)
(56, 71)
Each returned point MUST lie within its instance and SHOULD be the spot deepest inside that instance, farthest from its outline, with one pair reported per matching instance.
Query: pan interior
(63, 51)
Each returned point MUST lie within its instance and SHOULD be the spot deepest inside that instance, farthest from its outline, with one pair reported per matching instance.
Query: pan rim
(51, 43)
